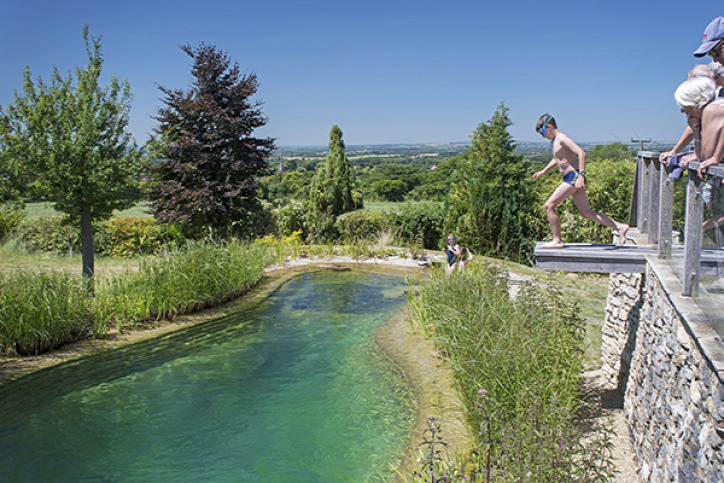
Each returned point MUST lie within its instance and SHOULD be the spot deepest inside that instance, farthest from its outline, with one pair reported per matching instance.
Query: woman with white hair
(705, 116)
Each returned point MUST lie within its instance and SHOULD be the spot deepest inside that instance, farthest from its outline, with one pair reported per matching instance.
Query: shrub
(129, 236)
(49, 234)
(361, 225)
(419, 222)
(290, 218)
(11, 215)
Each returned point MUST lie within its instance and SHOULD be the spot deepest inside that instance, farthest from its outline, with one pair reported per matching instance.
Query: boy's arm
(546, 169)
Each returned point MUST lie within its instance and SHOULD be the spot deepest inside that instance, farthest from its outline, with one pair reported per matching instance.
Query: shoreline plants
(516, 361)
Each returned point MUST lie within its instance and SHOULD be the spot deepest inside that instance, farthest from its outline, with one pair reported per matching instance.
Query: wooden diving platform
(608, 258)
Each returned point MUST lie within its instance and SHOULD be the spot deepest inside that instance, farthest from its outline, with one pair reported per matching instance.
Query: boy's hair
(695, 92)
(543, 120)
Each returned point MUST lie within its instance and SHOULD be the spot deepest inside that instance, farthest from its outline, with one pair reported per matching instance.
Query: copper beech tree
(209, 162)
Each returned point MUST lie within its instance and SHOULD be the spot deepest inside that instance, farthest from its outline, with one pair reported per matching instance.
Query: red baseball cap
(713, 34)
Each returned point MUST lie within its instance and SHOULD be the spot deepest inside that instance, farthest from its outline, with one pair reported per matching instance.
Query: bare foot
(554, 245)
(622, 235)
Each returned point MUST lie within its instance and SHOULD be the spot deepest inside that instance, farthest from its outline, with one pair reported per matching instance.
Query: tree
(490, 204)
(71, 136)
(210, 163)
(613, 151)
(333, 189)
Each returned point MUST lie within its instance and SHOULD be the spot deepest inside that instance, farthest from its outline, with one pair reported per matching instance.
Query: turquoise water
(293, 390)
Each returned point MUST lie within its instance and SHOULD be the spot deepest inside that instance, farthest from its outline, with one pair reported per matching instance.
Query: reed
(40, 310)
(197, 276)
(525, 353)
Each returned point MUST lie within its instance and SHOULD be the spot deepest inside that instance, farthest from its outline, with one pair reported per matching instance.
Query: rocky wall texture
(660, 349)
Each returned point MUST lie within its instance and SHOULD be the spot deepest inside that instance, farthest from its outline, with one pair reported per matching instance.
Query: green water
(293, 390)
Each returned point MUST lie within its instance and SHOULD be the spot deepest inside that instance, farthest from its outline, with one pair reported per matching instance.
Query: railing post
(644, 192)
(654, 202)
(666, 214)
(692, 233)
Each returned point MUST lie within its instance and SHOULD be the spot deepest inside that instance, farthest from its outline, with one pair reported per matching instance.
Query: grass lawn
(46, 209)
(390, 205)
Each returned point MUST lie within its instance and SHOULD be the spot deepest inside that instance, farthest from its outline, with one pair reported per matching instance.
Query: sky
(387, 72)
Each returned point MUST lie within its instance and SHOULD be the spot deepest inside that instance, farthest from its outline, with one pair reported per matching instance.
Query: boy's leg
(581, 200)
(560, 195)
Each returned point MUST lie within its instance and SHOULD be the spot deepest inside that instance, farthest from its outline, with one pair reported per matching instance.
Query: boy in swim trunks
(570, 159)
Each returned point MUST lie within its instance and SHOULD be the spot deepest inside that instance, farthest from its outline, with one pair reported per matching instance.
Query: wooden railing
(652, 212)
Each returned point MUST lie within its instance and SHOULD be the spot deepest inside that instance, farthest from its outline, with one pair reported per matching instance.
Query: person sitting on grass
(570, 159)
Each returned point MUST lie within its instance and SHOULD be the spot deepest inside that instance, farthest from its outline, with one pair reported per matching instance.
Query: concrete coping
(695, 321)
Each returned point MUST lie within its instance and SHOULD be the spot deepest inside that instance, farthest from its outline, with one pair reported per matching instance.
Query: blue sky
(394, 71)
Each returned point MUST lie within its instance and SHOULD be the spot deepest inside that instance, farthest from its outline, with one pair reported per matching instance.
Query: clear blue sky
(393, 71)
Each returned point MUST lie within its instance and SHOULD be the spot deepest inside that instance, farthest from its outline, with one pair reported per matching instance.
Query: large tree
(333, 189)
(209, 164)
(70, 135)
(491, 204)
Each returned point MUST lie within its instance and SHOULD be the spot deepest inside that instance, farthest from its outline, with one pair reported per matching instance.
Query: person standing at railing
(714, 71)
(705, 116)
(570, 159)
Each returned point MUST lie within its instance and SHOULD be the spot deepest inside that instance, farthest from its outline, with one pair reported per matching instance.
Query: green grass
(389, 205)
(46, 209)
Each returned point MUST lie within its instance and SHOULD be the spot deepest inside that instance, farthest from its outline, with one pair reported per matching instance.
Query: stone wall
(659, 348)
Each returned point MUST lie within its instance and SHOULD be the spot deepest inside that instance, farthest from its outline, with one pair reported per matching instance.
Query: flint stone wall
(659, 349)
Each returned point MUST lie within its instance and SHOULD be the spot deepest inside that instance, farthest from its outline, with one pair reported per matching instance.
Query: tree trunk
(86, 243)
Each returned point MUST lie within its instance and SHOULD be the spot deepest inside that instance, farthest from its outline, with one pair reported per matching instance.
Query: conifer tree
(210, 162)
(491, 204)
(333, 189)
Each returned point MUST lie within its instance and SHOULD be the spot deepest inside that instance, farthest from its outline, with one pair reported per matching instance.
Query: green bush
(130, 236)
(361, 225)
(419, 222)
(290, 218)
(11, 215)
(49, 234)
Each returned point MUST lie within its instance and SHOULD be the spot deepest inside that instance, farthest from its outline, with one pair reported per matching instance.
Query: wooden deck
(606, 258)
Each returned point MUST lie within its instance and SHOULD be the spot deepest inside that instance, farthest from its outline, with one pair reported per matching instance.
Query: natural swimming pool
(292, 390)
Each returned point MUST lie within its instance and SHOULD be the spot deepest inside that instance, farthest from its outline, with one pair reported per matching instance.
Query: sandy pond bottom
(294, 388)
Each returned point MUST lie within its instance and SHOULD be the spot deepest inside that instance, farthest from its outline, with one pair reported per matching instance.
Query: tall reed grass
(525, 354)
(39, 311)
(43, 310)
(200, 275)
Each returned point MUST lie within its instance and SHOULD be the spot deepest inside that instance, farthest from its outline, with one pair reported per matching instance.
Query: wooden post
(666, 214)
(644, 191)
(654, 190)
(692, 233)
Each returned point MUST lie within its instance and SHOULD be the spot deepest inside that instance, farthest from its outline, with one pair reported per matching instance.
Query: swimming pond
(292, 390)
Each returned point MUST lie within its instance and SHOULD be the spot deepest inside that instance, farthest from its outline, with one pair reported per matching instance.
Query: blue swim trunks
(570, 177)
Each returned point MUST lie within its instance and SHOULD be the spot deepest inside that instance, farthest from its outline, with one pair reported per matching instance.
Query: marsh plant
(197, 276)
(40, 310)
(527, 353)
(525, 450)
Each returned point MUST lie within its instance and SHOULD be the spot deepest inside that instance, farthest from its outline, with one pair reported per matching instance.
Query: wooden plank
(604, 258)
